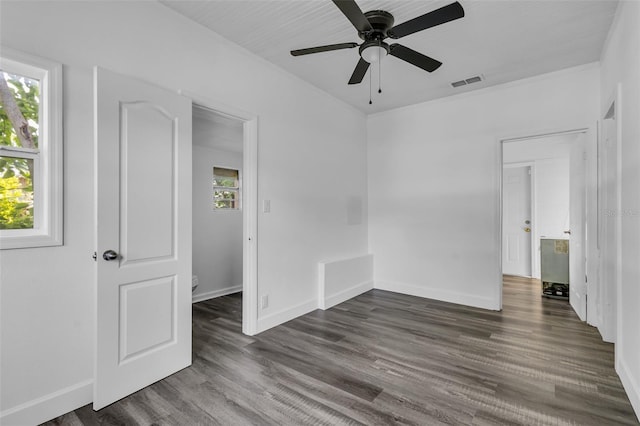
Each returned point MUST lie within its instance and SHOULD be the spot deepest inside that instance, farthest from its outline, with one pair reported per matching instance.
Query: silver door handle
(109, 255)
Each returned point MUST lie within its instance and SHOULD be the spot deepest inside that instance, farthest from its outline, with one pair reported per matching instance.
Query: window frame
(237, 189)
(48, 178)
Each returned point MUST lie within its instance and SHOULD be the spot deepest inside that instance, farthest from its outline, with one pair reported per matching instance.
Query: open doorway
(217, 204)
(543, 205)
(224, 171)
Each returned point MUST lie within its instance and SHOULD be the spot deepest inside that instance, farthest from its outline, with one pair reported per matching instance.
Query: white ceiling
(502, 40)
(213, 130)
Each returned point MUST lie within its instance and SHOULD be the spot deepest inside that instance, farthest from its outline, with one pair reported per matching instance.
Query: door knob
(109, 255)
(527, 229)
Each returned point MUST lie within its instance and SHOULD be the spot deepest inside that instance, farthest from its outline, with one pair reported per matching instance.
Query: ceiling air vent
(466, 81)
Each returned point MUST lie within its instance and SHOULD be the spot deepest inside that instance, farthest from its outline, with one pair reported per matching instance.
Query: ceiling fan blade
(414, 58)
(352, 11)
(359, 72)
(326, 48)
(439, 16)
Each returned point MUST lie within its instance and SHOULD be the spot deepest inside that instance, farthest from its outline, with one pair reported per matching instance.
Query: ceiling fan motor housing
(381, 21)
(373, 47)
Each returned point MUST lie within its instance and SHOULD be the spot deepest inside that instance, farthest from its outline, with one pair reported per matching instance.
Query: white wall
(552, 198)
(434, 173)
(621, 64)
(550, 158)
(217, 235)
(311, 158)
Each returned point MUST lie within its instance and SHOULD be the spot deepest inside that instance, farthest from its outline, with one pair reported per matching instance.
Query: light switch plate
(266, 206)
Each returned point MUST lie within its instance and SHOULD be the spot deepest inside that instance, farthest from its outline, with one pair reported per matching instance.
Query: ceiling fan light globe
(373, 54)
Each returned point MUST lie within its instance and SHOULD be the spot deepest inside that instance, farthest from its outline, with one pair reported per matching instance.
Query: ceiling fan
(377, 25)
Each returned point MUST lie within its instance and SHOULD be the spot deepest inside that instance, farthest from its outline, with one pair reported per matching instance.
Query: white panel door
(577, 209)
(143, 205)
(516, 221)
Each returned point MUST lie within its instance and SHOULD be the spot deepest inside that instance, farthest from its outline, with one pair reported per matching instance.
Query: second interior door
(516, 221)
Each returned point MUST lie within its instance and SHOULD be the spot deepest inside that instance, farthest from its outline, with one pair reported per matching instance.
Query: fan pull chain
(370, 101)
(380, 76)
(380, 69)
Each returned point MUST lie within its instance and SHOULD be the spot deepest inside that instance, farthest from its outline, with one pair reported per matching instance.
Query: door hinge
(95, 256)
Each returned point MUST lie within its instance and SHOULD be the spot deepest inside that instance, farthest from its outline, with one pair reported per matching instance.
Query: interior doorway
(556, 191)
(224, 171)
(217, 204)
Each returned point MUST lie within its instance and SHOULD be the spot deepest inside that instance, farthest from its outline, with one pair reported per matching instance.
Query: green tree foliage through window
(226, 188)
(16, 193)
(19, 126)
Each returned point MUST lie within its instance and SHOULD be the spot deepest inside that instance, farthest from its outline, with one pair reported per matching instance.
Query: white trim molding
(629, 384)
(216, 293)
(438, 294)
(344, 295)
(284, 315)
(49, 406)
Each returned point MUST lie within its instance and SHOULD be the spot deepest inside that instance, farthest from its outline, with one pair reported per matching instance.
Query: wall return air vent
(466, 81)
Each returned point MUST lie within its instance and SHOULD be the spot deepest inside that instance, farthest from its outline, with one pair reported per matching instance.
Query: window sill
(18, 239)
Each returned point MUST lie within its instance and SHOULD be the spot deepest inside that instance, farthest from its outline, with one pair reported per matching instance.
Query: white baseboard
(345, 295)
(438, 294)
(216, 293)
(606, 335)
(630, 385)
(280, 317)
(49, 406)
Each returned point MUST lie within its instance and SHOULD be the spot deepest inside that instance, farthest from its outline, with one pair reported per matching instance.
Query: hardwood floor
(385, 358)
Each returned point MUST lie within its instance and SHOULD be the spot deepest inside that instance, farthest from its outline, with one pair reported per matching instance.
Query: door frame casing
(249, 204)
(602, 323)
(499, 198)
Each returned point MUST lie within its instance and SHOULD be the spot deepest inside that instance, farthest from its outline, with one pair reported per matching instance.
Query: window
(226, 189)
(30, 151)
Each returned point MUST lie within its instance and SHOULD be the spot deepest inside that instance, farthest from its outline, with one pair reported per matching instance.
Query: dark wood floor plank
(323, 370)
(388, 358)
